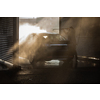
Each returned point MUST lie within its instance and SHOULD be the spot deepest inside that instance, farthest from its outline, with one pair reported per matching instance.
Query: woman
(70, 35)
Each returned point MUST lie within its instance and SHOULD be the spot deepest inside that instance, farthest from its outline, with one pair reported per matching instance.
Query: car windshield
(54, 38)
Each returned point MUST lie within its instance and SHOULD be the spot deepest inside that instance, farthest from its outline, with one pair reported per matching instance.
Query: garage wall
(7, 37)
(87, 34)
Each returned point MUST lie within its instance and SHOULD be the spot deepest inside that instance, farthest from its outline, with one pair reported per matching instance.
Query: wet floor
(83, 62)
(87, 72)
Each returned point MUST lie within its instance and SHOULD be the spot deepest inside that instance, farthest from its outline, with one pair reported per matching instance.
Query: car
(52, 46)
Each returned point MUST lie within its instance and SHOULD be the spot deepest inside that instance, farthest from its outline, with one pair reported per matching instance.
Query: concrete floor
(87, 72)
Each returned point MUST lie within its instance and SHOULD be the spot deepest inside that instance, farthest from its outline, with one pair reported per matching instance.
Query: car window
(58, 38)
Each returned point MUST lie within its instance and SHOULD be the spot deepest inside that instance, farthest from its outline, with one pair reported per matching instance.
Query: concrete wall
(50, 24)
(87, 34)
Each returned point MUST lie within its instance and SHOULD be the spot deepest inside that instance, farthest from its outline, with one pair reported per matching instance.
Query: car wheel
(66, 64)
(37, 64)
(34, 63)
